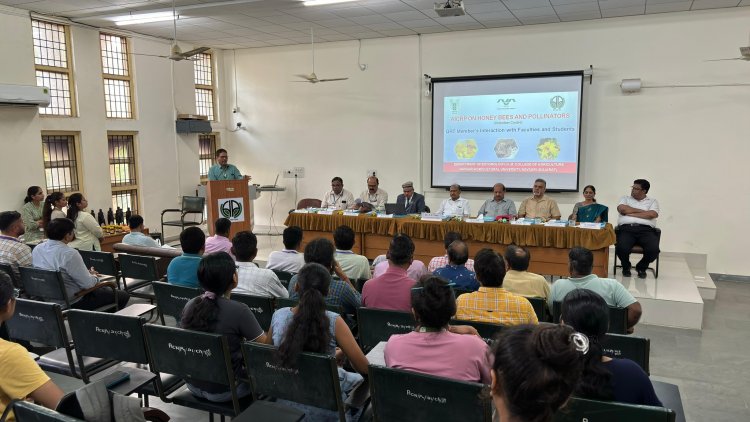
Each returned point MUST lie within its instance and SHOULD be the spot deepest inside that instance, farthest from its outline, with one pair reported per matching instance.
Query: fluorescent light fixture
(322, 2)
(143, 18)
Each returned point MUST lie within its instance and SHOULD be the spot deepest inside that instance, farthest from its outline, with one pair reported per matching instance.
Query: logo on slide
(557, 102)
(506, 102)
(454, 105)
(231, 209)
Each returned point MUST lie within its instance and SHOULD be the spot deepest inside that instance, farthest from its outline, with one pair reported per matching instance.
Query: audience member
(442, 261)
(614, 293)
(538, 205)
(288, 259)
(338, 197)
(415, 271)
(456, 271)
(354, 266)
(637, 224)
(498, 205)
(53, 207)
(250, 278)
(183, 270)
(219, 242)
(309, 327)
(87, 230)
(32, 213)
(535, 370)
(136, 237)
(214, 312)
(588, 210)
(56, 254)
(435, 347)
(20, 377)
(455, 205)
(492, 303)
(518, 279)
(604, 378)
(373, 195)
(392, 289)
(13, 252)
(413, 202)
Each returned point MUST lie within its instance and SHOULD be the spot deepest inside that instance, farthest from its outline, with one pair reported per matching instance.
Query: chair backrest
(39, 322)
(486, 330)
(193, 204)
(308, 202)
(376, 325)
(103, 262)
(261, 307)
(618, 318)
(29, 412)
(359, 284)
(6, 268)
(284, 276)
(107, 336)
(285, 302)
(630, 347)
(171, 299)
(138, 267)
(312, 381)
(459, 291)
(540, 307)
(399, 395)
(579, 409)
(45, 284)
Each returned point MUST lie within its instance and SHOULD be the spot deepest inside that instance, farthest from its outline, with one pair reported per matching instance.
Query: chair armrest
(171, 210)
(100, 285)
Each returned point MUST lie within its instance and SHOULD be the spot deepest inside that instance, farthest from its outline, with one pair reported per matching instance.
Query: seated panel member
(455, 205)
(498, 205)
(288, 259)
(637, 224)
(136, 237)
(373, 195)
(538, 205)
(588, 210)
(413, 202)
(338, 197)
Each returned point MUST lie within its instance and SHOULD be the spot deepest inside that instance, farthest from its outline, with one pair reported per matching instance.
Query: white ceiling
(230, 24)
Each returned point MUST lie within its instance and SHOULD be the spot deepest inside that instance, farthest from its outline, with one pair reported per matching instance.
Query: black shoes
(641, 273)
(626, 272)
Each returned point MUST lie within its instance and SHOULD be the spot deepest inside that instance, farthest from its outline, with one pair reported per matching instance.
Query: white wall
(688, 142)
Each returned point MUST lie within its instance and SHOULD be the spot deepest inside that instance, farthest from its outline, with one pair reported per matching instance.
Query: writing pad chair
(578, 409)
(171, 299)
(118, 338)
(313, 381)
(7, 269)
(486, 330)
(540, 308)
(191, 206)
(261, 307)
(284, 277)
(618, 318)
(198, 356)
(138, 272)
(43, 323)
(48, 285)
(104, 263)
(404, 396)
(376, 325)
(638, 249)
(25, 411)
(630, 347)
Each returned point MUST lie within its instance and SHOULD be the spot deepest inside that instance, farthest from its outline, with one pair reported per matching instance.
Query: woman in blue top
(589, 211)
(309, 327)
(604, 378)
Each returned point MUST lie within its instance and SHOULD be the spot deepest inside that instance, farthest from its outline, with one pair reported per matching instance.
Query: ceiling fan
(176, 53)
(744, 55)
(312, 77)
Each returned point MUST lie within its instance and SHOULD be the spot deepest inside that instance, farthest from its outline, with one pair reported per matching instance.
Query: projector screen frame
(434, 80)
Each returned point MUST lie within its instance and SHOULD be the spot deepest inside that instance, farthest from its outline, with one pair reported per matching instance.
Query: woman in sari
(589, 211)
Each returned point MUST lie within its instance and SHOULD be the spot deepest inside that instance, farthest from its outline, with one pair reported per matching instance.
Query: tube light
(143, 18)
(322, 2)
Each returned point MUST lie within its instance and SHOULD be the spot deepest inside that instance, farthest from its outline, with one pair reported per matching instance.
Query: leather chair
(190, 205)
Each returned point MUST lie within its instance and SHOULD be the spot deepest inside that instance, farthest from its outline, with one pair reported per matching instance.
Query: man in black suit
(413, 202)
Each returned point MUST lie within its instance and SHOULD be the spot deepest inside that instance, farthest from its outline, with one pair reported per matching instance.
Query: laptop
(274, 183)
(396, 209)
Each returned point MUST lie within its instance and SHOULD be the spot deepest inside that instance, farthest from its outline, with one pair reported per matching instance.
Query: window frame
(108, 76)
(78, 168)
(211, 88)
(214, 147)
(68, 70)
(130, 187)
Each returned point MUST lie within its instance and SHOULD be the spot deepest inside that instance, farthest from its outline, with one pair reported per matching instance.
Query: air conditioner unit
(24, 96)
(450, 8)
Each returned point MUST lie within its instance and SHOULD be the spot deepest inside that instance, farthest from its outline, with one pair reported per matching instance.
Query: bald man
(498, 205)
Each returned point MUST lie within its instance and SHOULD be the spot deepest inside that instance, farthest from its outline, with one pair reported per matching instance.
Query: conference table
(548, 246)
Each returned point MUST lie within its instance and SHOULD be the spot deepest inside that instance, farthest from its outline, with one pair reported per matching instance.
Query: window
(122, 172)
(206, 150)
(53, 67)
(204, 85)
(118, 94)
(60, 162)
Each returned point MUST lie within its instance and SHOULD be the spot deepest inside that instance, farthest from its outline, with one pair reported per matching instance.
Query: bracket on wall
(590, 73)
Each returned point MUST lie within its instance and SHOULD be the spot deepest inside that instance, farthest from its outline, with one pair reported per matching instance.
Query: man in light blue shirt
(136, 237)
(498, 205)
(222, 170)
(183, 270)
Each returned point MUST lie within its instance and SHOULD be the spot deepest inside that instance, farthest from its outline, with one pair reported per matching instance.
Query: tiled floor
(711, 367)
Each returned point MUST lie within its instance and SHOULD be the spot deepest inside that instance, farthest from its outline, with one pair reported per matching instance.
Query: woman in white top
(88, 231)
(31, 213)
(53, 207)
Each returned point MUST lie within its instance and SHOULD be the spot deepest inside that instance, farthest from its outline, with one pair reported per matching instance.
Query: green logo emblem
(231, 209)
(506, 101)
(557, 102)
(454, 105)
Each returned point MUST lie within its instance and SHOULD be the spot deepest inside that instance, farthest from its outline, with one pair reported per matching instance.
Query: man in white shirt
(250, 278)
(338, 197)
(455, 205)
(288, 259)
(637, 224)
(373, 195)
(354, 266)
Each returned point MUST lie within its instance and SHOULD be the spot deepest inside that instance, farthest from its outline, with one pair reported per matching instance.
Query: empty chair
(579, 409)
(191, 206)
(376, 325)
(138, 272)
(103, 262)
(262, 307)
(49, 286)
(171, 299)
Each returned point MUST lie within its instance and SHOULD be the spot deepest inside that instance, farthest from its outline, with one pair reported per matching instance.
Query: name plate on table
(556, 223)
(325, 212)
(592, 226)
(352, 213)
(524, 222)
(302, 211)
(385, 215)
(431, 217)
(478, 220)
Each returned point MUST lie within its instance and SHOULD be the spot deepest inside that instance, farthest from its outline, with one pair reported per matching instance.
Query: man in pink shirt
(392, 289)
(219, 242)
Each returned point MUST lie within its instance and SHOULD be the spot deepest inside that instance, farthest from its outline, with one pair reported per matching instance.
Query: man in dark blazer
(412, 201)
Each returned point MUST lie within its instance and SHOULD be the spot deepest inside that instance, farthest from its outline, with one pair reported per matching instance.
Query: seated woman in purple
(435, 347)
(604, 378)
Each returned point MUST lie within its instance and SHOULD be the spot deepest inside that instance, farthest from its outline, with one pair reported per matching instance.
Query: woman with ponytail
(88, 231)
(31, 213)
(604, 378)
(53, 207)
(309, 327)
(214, 312)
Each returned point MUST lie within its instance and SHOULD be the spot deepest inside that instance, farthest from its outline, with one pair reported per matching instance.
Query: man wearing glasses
(636, 224)
(413, 202)
(338, 197)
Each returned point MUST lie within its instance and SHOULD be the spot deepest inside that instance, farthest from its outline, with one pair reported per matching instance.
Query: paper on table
(377, 354)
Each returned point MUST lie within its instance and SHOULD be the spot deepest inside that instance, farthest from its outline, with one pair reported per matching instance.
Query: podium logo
(231, 209)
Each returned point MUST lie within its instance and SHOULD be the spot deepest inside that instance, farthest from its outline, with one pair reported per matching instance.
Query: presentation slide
(511, 129)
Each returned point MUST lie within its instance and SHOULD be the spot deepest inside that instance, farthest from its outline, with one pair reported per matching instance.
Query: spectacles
(636, 188)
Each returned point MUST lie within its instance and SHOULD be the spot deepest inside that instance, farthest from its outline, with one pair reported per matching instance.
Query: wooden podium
(229, 199)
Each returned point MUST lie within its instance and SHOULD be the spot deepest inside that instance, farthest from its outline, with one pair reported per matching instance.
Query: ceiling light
(322, 2)
(143, 18)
